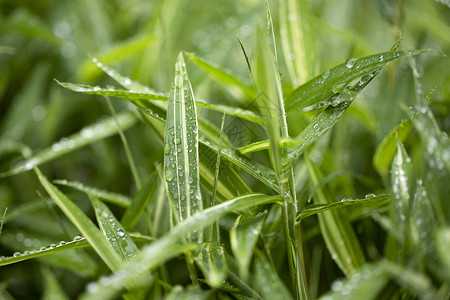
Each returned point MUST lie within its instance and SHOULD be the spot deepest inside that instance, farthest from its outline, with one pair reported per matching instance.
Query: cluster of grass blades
(252, 198)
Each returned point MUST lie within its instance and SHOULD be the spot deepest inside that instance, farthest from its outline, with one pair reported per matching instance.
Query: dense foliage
(224, 149)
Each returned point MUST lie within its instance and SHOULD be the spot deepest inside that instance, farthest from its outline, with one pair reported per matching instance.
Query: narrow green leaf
(181, 146)
(112, 92)
(2, 219)
(166, 247)
(107, 196)
(190, 293)
(88, 135)
(264, 145)
(212, 262)
(330, 82)
(266, 280)
(243, 237)
(83, 224)
(52, 289)
(232, 84)
(366, 283)
(234, 111)
(139, 203)
(318, 208)
(337, 231)
(382, 158)
(327, 118)
(113, 230)
(442, 238)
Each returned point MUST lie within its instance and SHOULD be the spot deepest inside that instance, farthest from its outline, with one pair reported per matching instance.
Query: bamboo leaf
(213, 264)
(243, 237)
(113, 230)
(88, 135)
(83, 224)
(337, 231)
(107, 196)
(330, 82)
(166, 247)
(181, 146)
(386, 150)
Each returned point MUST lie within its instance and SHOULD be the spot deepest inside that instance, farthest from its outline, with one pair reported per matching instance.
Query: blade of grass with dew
(158, 252)
(266, 281)
(264, 145)
(113, 230)
(384, 153)
(327, 118)
(83, 224)
(88, 135)
(139, 203)
(234, 111)
(319, 208)
(243, 237)
(111, 197)
(222, 77)
(2, 219)
(212, 262)
(330, 82)
(297, 40)
(118, 52)
(112, 92)
(366, 283)
(337, 231)
(181, 146)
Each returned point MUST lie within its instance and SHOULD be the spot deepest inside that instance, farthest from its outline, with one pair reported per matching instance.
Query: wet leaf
(212, 263)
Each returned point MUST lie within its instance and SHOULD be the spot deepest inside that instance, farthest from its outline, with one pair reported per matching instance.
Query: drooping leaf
(181, 146)
(108, 196)
(88, 135)
(212, 262)
(166, 247)
(243, 237)
(264, 145)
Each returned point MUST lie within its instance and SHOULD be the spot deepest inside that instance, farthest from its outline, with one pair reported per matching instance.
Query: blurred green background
(45, 40)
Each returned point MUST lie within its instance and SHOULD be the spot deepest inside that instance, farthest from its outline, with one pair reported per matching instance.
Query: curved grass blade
(266, 280)
(166, 247)
(332, 81)
(264, 145)
(222, 77)
(190, 293)
(88, 135)
(113, 230)
(181, 146)
(111, 197)
(139, 203)
(337, 231)
(327, 118)
(234, 111)
(52, 288)
(212, 262)
(318, 208)
(112, 92)
(243, 237)
(83, 224)
(382, 158)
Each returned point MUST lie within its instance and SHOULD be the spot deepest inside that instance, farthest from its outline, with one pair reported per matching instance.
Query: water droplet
(127, 81)
(326, 74)
(315, 126)
(381, 58)
(17, 254)
(336, 286)
(350, 63)
(370, 195)
(96, 88)
(168, 174)
(335, 100)
(338, 87)
(166, 149)
(346, 199)
(120, 233)
(77, 238)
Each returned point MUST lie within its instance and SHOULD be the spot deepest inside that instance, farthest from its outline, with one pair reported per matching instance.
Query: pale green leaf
(189, 293)
(212, 262)
(264, 145)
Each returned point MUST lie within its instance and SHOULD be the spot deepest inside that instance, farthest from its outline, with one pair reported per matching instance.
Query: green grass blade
(52, 288)
(243, 237)
(366, 283)
(234, 85)
(330, 82)
(113, 230)
(2, 220)
(88, 135)
(83, 224)
(266, 280)
(319, 208)
(382, 158)
(442, 238)
(111, 197)
(181, 146)
(212, 262)
(337, 231)
(112, 92)
(139, 203)
(234, 111)
(327, 118)
(189, 293)
(166, 247)
(297, 40)
(264, 145)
